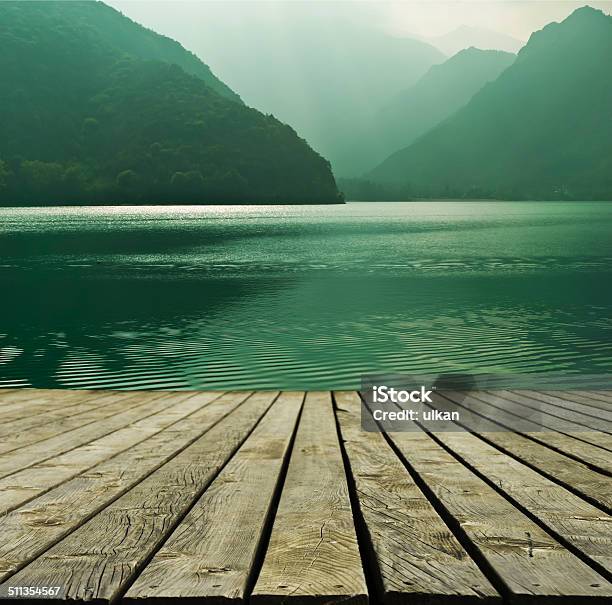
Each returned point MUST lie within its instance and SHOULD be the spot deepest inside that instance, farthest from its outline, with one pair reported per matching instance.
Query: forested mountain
(542, 130)
(327, 77)
(96, 109)
(125, 36)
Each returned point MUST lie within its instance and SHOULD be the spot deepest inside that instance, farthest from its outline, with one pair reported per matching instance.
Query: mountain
(542, 130)
(94, 110)
(466, 36)
(327, 77)
(125, 36)
(443, 90)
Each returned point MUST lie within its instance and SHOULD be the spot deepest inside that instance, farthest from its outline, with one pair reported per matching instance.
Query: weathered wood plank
(313, 554)
(32, 529)
(211, 554)
(32, 401)
(570, 402)
(571, 412)
(25, 421)
(589, 430)
(85, 413)
(605, 396)
(577, 522)
(417, 556)
(574, 475)
(21, 458)
(585, 398)
(531, 563)
(567, 444)
(96, 561)
(25, 485)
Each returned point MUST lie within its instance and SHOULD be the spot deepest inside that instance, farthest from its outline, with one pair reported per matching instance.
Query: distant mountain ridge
(328, 79)
(92, 114)
(444, 89)
(466, 36)
(542, 130)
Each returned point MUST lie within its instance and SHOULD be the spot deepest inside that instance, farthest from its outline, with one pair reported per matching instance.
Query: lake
(267, 297)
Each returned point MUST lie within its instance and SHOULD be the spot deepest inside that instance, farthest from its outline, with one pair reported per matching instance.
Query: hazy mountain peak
(471, 53)
(541, 130)
(466, 36)
(580, 30)
(443, 90)
(588, 12)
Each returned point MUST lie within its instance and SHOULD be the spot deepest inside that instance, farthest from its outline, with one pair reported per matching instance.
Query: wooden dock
(283, 499)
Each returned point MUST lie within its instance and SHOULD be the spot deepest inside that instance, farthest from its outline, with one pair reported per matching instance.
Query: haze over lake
(265, 297)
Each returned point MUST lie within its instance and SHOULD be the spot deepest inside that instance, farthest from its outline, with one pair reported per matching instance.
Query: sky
(422, 18)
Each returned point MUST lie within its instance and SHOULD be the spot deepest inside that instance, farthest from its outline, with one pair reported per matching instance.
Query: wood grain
(78, 416)
(590, 399)
(570, 401)
(531, 563)
(589, 454)
(605, 396)
(26, 420)
(417, 556)
(19, 402)
(574, 475)
(178, 490)
(211, 554)
(30, 530)
(96, 561)
(582, 525)
(24, 485)
(584, 428)
(313, 554)
(114, 418)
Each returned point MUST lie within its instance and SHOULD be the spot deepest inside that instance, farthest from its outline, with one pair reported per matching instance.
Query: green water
(302, 297)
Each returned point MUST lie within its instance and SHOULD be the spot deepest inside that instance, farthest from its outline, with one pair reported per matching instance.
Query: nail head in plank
(530, 562)
(579, 523)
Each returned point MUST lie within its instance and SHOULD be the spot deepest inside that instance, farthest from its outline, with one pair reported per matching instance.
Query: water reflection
(301, 298)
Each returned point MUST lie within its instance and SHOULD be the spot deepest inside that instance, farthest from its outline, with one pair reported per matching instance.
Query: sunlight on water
(302, 297)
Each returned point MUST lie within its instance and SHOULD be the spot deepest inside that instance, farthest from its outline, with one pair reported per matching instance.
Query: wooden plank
(570, 445)
(98, 560)
(570, 412)
(605, 396)
(32, 529)
(139, 405)
(418, 558)
(31, 401)
(313, 554)
(559, 420)
(86, 413)
(24, 485)
(211, 554)
(574, 475)
(587, 399)
(577, 522)
(26, 420)
(571, 403)
(530, 563)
